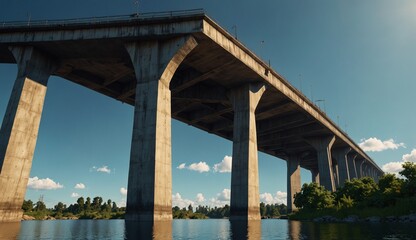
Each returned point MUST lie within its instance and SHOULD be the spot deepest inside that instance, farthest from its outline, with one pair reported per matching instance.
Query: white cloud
(43, 184)
(224, 166)
(221, 199)
(104, 169)
(200, 198)
(74, 195)
(79, 186)
(225, 195)
(267, 198)
(411, 157)
(123, 191)
(121, 203)
(279, 198)
(199, 167)
(376, 145)
(392, 167)
(177, 200)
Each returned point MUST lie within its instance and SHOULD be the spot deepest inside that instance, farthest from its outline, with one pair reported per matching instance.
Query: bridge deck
(93, 55)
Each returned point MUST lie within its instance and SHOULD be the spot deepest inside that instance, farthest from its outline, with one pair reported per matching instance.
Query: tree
(262, 209)
(88, 205)
(40, 206)
(313, 196)
(409, 172)
(357, 189)
(96, 203)
(114, 208)
(190, 208)
(60, 207)
(27, 205)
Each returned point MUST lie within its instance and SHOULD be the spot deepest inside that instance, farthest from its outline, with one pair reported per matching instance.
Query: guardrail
(104, 19)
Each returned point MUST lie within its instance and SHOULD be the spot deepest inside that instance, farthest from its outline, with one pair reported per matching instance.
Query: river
(204, 229)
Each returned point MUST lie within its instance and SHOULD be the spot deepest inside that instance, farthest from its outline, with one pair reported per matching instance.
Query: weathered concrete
(340, 154)
(20, 128)
(351, 165)
(359, 161)
(245, 200)
(293, 180)
(149, 196)
(315, 175)
(323, 147)
(156, 78)
(335, 171)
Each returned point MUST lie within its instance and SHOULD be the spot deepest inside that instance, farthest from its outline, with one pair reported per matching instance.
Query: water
(204, 229)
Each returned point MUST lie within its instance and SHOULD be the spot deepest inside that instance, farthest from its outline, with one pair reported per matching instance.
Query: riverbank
(403, 211)
(374, 219)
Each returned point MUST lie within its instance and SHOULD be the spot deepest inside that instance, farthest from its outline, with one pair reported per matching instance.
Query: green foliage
(345, 202)
(409, 172)
(313, 196)
(389, 191)
(403, 206)
(271, 210)
(27, 206)
(363, 197)
(81, 209)
(40, 206)
(358, 189)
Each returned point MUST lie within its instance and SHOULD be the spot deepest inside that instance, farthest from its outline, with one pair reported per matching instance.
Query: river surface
(204, 229)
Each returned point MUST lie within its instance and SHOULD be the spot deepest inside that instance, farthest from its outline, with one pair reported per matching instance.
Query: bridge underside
(208, 83)
(199, 90)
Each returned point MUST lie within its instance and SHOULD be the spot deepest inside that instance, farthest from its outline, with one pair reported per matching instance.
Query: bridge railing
(103, 19)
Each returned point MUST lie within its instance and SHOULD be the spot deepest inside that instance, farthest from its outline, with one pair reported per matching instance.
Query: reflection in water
(294, 230)
(203, 229)
(245, 229)
(9, 230)
(147, 230)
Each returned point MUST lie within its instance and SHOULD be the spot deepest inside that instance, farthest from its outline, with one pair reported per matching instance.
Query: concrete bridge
(179, 65)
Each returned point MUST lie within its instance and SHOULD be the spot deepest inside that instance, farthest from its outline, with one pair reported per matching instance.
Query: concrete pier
(245, 200)
(149, 196)
(20, 127)
(315, 175)
(323, 147)
(359, 166)
(293, 180)
(351, 165)
(340, 154)
(179, 65)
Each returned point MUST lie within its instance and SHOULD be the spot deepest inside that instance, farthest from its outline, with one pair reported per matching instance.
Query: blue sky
(358, 56)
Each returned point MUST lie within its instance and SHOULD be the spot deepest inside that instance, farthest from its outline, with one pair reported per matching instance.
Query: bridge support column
(20, 127)
(340, 155)
(315, 175)
(323, 147)
(293, 180)
(365, 169)
(149, 195)
(245, 199)
(358, 166)
(351, 165)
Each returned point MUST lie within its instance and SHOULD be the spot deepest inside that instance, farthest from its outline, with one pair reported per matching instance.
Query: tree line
(203, 212)
(88, 208)
(391, 195)
(96, 208)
